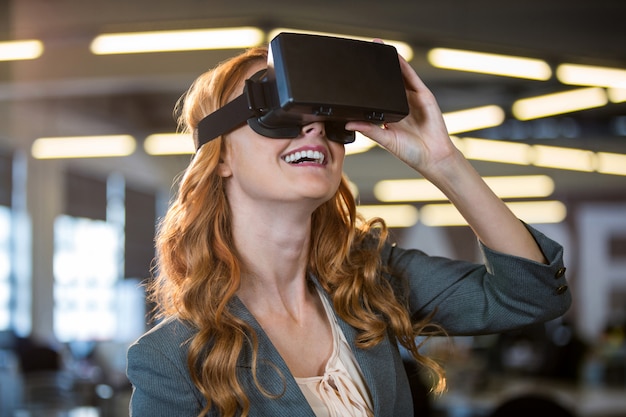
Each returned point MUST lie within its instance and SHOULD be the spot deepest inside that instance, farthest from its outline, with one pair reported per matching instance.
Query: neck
(274, 247)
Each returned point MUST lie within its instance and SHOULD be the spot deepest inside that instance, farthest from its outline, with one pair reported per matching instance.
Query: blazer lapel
(374, 363)
(272, 373)
(378, 376)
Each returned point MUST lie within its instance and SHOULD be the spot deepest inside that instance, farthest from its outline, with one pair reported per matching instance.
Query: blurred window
(86, 271)
(6, 290)
(103, 238)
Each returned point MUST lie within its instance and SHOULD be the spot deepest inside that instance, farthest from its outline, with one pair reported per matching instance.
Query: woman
(279, 300)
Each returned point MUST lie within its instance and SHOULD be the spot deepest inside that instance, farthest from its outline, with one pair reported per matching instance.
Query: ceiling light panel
(532, 212)
(83, 147)
(495, 150)
(494, 64)
(563, 158)
(521, 186)
(398, 215)
(617, 95)
(20, 50)
(591, 75)
(169, 144)
(611, 163)
(177, 40)
(559, 103)
(473, 119)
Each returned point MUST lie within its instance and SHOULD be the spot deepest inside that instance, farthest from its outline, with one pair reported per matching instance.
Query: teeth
(317, 156)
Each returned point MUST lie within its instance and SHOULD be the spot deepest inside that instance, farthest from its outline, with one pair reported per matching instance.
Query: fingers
(373, 131)
(368, 129)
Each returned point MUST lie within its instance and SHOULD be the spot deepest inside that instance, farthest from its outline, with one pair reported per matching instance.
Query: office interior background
(89, 155)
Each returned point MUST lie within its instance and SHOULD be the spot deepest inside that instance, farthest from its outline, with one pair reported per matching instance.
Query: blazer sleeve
(504, 293)
(161, 383)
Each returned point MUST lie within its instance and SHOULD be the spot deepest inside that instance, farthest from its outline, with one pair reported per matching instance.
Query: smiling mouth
(300, 157)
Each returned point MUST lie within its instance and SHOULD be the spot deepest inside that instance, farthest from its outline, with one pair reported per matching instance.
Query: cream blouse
(341, 391)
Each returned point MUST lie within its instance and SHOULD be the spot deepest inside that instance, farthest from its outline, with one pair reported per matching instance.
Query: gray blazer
(503, 294)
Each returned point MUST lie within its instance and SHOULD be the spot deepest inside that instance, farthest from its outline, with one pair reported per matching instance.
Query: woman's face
(304, 170)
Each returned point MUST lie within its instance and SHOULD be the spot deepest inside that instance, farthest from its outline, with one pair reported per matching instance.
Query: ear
(223, 167)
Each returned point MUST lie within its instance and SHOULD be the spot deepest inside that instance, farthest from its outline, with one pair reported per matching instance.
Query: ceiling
(69, 91)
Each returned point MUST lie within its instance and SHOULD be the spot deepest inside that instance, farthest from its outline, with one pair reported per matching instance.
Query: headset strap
(253, 102)
(223, 120)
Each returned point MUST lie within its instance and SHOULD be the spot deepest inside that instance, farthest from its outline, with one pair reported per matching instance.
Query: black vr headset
(313, 78)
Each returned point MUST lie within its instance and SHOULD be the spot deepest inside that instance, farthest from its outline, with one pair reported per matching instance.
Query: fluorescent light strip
(535, 212)
(399, 215)
(441, 215)
(20, 50)
(495, 150)
(83, 147)
(563, 158)
(522, 186)
(611, 163)
(559, 103)
(589, 75)
(177, 40)
(494, 64)
(403, 48)
(542, 155)
(617, 95)
(169, 144)
(532, 212)
(407, 190)
(473, 119)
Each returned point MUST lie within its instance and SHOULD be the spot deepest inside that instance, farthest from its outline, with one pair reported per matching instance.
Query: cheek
(251, 161)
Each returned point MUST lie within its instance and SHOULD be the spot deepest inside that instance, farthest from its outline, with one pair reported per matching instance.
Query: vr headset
(313, 78)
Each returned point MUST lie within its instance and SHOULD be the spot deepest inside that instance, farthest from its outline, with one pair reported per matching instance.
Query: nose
(314, 128)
